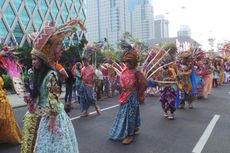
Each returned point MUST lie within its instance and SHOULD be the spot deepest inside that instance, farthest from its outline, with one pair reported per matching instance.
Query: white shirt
(99, 74)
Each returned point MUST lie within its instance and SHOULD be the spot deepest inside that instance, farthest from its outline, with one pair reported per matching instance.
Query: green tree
(23, 55)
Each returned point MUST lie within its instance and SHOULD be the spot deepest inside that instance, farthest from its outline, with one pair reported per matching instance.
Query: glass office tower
(18, 18)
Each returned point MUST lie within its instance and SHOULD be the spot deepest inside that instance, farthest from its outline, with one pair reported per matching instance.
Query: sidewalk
(17, 101)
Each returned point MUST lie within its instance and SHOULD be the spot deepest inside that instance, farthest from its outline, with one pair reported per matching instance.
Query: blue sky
(206, 18)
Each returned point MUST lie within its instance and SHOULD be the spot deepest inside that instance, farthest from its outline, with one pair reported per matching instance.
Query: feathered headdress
(13, 68)
(129, 52)
(89, 49)
(47, 40)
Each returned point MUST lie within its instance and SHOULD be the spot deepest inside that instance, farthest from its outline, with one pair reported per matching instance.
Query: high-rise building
(184, 31)
(107, 19)
(142, 19)
(18, 18)
(161, 27)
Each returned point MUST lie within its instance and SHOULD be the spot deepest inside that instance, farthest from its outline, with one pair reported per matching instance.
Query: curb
(24, 105)
(20, 106)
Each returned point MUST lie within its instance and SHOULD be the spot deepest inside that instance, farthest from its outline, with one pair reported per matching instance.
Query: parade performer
(86, 92)
(99, 82)
(208, 77)
(168, 91)
(133, 85)
(9, 129)
(78, 78)
(164, 73)
(184, 71)
(47, 128)
(200, 81)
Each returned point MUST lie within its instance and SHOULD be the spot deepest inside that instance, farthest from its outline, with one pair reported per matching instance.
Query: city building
(107, 19)
(183, 41)
(161, 26)
(18, 18)
(142, 19)
(184, 31)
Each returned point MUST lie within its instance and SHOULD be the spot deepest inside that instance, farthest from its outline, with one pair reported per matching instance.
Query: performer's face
(36, 62)
(85, 62)
(130, 65)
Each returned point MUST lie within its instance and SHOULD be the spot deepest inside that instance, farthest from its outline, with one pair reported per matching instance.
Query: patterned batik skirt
(87, 97)
(127, 119)
(31, 123)
(168, 98)
(199, 90)
(63, 140)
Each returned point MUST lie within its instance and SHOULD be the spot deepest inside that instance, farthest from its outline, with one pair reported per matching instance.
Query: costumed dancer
(208, 78)
(47, 128)
(106, 83)
(9, 129)
(163, 71)
(184, 71)
(168, 91)
(133, 85)
(200, 81)
(86, 92)
(78, 79)
(99, 82)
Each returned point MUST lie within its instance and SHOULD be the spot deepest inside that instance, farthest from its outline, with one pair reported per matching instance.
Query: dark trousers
(99, 88)
(68, 93)
(214, 83)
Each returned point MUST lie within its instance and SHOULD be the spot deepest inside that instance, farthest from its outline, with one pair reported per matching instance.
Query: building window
(24, 17)
(37, 20)
(9, 15)
(31, 5)
(3, 31)
(43, 7)
(18, 33)
(17, 3)
(54, 9)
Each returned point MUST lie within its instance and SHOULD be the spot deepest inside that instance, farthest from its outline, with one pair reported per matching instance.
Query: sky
(206, 18)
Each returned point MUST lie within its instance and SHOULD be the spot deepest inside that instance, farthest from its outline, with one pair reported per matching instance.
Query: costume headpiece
(130, 53)
(89, 49)
(13, 68)
(47, 40)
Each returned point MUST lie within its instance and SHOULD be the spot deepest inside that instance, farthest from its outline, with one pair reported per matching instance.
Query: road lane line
(104, 109)
(204, 138)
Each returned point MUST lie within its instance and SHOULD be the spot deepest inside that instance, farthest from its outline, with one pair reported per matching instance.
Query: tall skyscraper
(107, 19)
(161, 27)
(184, 31)
(18, 18)
(142, 19)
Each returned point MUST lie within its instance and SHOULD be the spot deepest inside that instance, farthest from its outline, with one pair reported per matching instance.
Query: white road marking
(104, 109)
(204, 138)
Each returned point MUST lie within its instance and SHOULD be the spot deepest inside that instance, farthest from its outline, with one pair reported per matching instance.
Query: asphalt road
(206, 128)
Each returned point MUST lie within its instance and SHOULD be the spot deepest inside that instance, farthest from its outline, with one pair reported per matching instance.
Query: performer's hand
(27, 99)
(52, 124)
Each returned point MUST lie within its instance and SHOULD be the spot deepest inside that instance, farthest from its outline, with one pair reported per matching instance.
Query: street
(210, 119)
